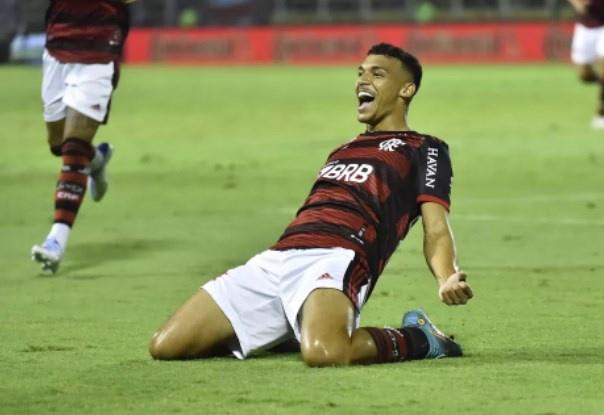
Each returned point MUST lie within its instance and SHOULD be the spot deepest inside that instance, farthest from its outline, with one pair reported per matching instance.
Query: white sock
(60, 232)
(97, 160)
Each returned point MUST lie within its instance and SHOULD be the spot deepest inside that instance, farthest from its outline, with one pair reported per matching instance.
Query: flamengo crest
(391, 145)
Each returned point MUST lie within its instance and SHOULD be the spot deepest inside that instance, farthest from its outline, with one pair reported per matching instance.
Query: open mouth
(365, 98)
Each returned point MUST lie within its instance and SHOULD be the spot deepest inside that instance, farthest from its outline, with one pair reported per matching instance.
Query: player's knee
(161, 347)
(157, 350)
(322, 354)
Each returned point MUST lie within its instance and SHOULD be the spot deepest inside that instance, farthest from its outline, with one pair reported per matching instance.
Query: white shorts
(587, 45)
(262, 299)
(86, 88)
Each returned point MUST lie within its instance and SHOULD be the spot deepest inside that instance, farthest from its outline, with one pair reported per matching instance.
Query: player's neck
(389, 124)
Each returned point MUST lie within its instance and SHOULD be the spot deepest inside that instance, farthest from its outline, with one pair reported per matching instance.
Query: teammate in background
(84, 42)
(588, 49)
(313, 282)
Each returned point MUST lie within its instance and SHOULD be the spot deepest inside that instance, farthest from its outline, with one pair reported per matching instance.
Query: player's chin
(364, 117)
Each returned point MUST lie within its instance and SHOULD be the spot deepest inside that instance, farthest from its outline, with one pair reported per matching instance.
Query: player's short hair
(410, 62)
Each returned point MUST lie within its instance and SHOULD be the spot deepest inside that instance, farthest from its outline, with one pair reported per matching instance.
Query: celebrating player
(84, 41)
(587, 51)
(313, 283)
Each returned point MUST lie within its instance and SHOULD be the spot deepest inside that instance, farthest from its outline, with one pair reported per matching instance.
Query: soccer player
(587, 51)
(84, 42)
(313, 283)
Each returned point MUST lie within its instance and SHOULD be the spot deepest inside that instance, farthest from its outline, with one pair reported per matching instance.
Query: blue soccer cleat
(439, 344)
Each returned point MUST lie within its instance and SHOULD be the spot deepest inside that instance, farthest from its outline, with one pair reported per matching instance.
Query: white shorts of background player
(587, 45)
(86, 88)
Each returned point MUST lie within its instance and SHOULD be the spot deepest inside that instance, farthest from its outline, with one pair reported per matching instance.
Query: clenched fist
(455, 290)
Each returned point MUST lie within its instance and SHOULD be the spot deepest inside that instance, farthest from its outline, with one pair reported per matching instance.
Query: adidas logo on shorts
(325, 276)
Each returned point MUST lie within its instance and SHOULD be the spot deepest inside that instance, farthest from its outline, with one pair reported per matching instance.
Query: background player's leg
(587, 73)
(55, 131)
(79, 126)
(78, 157)
(198, 329)
(598, 68)
(594, 73)
(78, 154)
(587, 44)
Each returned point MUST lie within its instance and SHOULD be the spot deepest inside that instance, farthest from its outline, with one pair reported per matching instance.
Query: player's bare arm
(440, 254)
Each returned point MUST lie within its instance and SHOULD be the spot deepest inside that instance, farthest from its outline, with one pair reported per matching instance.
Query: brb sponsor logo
(348, 172)
(391, 145)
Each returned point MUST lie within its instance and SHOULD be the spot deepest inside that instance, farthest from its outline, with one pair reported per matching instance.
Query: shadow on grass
(85, 256)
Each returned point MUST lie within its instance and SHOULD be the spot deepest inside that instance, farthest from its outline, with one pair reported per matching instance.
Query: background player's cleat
(49, 255)
(440, 345)
(97, 181)
(597, 123)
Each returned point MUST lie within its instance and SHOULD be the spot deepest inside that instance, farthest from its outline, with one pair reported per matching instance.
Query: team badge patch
(391, 145)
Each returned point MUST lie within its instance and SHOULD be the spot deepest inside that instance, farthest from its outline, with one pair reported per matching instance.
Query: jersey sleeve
(435, 173)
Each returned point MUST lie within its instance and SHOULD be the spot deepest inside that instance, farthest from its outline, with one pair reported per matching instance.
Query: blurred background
(266, 31)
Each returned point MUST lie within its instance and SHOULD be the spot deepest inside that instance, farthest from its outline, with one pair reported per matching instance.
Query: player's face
(381, 87)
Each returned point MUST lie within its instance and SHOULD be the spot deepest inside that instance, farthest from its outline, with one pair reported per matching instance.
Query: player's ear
(407, 91)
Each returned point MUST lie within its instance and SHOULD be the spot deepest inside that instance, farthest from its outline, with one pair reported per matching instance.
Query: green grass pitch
(211, 164)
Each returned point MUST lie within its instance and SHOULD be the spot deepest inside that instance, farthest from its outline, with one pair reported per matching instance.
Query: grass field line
(535, 198)
(570, 221)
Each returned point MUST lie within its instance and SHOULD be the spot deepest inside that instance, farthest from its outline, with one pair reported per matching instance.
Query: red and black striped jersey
(368, 195)
(594, 16)
(86, 31)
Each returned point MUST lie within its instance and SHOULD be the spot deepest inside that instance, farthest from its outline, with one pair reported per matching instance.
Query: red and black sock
(71, 185)
(396, 345)
(417, 342)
